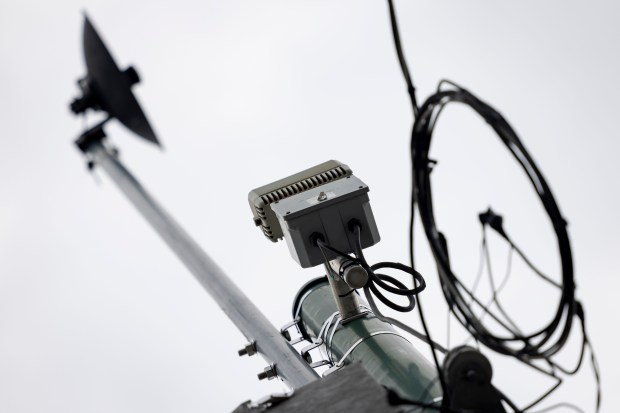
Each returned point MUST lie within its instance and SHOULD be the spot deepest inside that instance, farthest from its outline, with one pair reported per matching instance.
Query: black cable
(416, 279)
(411, 90)
(481, 263)
(383, 281)
(376, 279)
(421, 140)
(597, 376)
(414, 105)
(506, 400)
(544, 395)
(495, 221)
(399, 324)
(551, 338)
(544, 343)
(496, 290)
(402, 61)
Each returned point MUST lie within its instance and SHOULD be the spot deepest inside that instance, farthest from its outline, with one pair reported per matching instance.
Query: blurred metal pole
(385, 354)
(237, 306)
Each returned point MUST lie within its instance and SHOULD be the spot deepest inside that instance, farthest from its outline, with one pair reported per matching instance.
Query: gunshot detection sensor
(323, 202)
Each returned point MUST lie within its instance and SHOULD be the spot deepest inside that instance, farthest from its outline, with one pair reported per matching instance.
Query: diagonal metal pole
(237, 306)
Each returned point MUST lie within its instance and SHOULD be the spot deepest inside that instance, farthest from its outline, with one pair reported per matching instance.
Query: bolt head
(269, 373)
(249, 349)
(355, 276)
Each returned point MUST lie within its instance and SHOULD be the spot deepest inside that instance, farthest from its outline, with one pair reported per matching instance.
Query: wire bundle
(377, 280)
(551, 338)
(388, 283)
(541, 344)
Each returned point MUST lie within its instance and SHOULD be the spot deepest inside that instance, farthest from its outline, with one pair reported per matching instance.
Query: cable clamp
(337, 366)
(285, 331)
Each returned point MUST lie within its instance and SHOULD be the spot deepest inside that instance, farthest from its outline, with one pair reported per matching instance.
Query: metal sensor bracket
(327, 212)
(261, 199)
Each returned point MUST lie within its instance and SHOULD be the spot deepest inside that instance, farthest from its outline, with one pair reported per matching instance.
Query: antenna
(105, 87)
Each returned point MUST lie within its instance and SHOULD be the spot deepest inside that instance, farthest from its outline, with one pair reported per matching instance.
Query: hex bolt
(249, 349)
(268, 373)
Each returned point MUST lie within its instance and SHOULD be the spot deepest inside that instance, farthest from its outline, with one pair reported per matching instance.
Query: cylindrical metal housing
(346, 301)
(387, 356)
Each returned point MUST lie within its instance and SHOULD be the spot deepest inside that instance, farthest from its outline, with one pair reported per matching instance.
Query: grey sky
(97, 315)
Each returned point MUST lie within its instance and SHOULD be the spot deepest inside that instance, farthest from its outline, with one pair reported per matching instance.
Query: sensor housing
(325, 210)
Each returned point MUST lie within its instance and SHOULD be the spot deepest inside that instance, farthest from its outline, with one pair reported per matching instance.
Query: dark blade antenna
(105, 87)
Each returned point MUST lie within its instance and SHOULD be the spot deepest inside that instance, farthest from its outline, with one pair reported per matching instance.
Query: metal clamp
(324, 339)
(330, 326)
(305, 352)
(338, 365)
(286, 333)
(320, 363)
(270, 401)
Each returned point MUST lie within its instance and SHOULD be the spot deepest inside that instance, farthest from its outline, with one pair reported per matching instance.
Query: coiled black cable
(541, 344)
(551, 338)
(376, 280)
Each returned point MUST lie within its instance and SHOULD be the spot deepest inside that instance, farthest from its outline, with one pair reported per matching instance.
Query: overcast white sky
(97, 315)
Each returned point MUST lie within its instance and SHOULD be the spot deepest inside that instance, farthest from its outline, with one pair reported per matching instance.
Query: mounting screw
(268, 373)
(249, 349)
(355, 276)
(322, 196)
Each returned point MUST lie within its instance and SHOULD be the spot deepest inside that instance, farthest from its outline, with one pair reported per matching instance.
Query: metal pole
(237, 306)
(385, 354)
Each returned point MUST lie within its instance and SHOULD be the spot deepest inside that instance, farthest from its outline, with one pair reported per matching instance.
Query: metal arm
(237, 306)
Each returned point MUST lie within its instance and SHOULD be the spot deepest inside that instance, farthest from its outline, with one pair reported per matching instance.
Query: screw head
(356, 276)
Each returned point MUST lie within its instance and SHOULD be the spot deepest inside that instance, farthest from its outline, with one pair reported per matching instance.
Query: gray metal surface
(351, 389)
(261, 199)
(346, 300)
(326, 210)
(242, 312)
